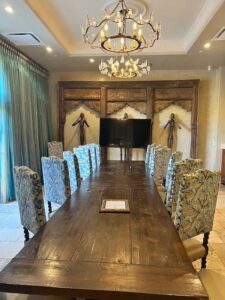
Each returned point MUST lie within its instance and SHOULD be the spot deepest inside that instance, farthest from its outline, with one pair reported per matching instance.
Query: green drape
(24, 117)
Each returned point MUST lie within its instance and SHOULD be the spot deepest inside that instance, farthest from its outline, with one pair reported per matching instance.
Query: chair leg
(26, 234)
(49, 207)
(205, 244)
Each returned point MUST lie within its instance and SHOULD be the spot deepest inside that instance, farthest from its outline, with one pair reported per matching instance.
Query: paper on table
(115, 205)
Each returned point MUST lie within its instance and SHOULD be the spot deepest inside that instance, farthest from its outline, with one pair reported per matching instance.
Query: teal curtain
(24, 117)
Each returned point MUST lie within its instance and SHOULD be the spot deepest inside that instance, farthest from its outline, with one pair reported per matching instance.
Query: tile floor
(12, 239)
(11, 231)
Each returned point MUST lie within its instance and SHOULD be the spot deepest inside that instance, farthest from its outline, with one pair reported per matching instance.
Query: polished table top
(81, 252)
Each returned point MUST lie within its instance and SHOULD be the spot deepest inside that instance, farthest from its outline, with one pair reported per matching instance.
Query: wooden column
(194, 121)
(62, 116)
(149, 107)
(103, 114)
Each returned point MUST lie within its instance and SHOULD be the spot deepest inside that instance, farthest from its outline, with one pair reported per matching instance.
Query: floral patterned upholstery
(56, 179)
(161, 159)
(147, 155)
(151, 161)
(73, 167)
(30, 199)
(93, 154)
(55, 149)
(175, 157)
(98, 153)
(83, 156)
(196, 203)
(179, 169)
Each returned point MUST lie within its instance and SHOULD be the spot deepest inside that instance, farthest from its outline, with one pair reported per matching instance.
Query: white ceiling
(186, 26)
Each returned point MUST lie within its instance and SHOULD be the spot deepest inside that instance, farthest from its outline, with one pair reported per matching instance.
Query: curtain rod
(5, 44)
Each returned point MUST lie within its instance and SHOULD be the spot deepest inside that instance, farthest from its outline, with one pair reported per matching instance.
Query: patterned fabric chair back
(147, 155)
(196, 203)
(161, 159)
(73, 167)
(98, 154)
(151, 161)
(93, 155)
(186, 166)
(56, 179)
(175, 157)
(82, 154)
(55, 149)
(30, 199)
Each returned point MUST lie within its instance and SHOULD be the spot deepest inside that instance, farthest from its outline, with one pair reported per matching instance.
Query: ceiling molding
(56, 28)
(207, 12)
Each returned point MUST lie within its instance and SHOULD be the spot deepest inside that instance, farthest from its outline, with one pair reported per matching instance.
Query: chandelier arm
(142, 24)
(113, 11)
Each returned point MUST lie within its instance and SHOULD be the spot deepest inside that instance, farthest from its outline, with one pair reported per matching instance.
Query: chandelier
(125, 68)
(120, 32)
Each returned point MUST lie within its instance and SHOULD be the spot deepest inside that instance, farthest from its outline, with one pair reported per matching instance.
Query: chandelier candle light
(124, 69)
(121, 32)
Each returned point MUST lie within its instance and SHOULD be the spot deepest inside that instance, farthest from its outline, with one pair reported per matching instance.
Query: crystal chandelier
(125, 68)
(121, 32)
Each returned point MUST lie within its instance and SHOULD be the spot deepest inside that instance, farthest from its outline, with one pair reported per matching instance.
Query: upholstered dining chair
(83, 156)
(92, 157)
(29, 196)
(195, 211)
(179, 169)
(151, 161)
(56, 180)
(175, 157)
(161, 160)
(147, 155)
(55, 149)
(73, 168)
(98, 154)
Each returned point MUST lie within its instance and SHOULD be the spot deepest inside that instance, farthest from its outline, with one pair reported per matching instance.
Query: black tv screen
(135, 133)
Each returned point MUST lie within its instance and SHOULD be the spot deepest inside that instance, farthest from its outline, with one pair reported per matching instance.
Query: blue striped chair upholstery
(30, 199)
(196, 207)
(82, 154)
(73, 167)
(55, 149)
(186, 166)
(56, 180)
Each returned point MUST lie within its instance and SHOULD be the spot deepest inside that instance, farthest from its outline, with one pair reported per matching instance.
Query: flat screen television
(135, 133)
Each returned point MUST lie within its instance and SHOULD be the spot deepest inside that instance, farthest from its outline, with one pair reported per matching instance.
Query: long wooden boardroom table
(81, 252)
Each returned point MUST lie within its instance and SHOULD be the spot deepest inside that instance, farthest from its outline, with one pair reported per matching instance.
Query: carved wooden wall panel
(82, 94)
(162, 104)
(126, 94)
(174, 94)
(72, 105)
(113, 107)
(146, 97)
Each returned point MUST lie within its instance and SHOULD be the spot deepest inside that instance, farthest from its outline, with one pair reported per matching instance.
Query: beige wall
(211, 107)
(221, 113)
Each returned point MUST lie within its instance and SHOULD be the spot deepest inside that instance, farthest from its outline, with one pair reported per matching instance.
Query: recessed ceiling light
(91, 60)
(207, 45)
(209, 68)
(49, 49)
(9, 9)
